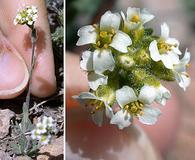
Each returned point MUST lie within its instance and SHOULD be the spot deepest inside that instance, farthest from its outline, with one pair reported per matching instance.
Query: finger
(13, 71)
(43, 80)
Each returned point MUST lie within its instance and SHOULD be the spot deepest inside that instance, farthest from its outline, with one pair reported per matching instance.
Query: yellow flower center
(105, 38)
(165, 47)
(135, 18)
(135, 108)
(97, 105)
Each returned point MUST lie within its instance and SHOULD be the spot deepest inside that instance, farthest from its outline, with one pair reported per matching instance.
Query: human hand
(18, 37)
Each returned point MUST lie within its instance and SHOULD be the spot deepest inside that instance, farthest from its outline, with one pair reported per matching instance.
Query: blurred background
(180, 16)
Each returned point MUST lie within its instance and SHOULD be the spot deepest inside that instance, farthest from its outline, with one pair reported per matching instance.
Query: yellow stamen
(95, 25)
(97, 107)
(103, 34)
(135, 18)
(141, 113)
(134, 109)
(126, 107)
(186, 74)
(112, 31)
(98, 43)
(105, 46)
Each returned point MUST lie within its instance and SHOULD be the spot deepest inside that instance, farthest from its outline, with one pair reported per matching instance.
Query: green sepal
(160, 71)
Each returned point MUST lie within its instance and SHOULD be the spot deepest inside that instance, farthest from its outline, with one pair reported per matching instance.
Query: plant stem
(26, 123)
(33, 40)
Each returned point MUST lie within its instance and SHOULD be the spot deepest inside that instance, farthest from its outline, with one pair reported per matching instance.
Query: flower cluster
(27, 16)
(125, 64)
(43, 130)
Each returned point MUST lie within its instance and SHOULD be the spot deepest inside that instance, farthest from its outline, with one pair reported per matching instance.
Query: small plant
(58, 35)
(31, 137)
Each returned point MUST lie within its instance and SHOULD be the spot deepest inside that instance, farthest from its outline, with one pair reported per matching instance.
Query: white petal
(95, 80)
(186, 58)
(87, 35)
(97, 117)
(164, 31)
(184, 82)
(132, 12)
(110, 21)
(84, 97)
(154, 53)
(163, 95)
(181, 67)
(147, 94)
(122, 119)
(103, 60)
(167, 61)
(172, 41)
(109, 111)
(146, 16)
(125, 95)
(87, 61)
(123, 16)
(176, 50)
(150, 115)
(120, 42)
(174, 57)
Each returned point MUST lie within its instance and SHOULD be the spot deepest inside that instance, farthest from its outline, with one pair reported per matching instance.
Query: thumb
(43, 79)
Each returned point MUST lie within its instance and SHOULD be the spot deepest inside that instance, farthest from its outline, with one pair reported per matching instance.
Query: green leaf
(26, 124)
(22, 142)
(15, 148)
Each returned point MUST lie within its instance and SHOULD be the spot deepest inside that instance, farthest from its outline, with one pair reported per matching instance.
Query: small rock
(5, 116)
(53, 151)
(4, 156)
(22, 158)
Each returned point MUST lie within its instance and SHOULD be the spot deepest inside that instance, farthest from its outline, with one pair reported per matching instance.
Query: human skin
(43, 78)
(162, 134)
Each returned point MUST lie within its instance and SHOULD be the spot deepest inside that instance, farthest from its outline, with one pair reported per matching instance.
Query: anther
(98, 43)
(105, 45)
(95, 25)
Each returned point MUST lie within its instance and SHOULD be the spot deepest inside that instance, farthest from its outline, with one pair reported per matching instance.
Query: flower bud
(107, 93)
(125, 61)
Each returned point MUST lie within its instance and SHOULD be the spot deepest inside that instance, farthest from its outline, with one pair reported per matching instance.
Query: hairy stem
(26, 123)
(33, 57)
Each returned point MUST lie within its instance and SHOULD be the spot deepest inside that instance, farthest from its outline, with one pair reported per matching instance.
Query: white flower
(48, 121)
(103, 38)
(181, 75)
(99, 104)
(163, 95)
(132, 105)
(45, 139)
(35, 135)
(135, 18)
(166, 49)
(107, 34)
(27, 16)
(41, 128)
(95, 63)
